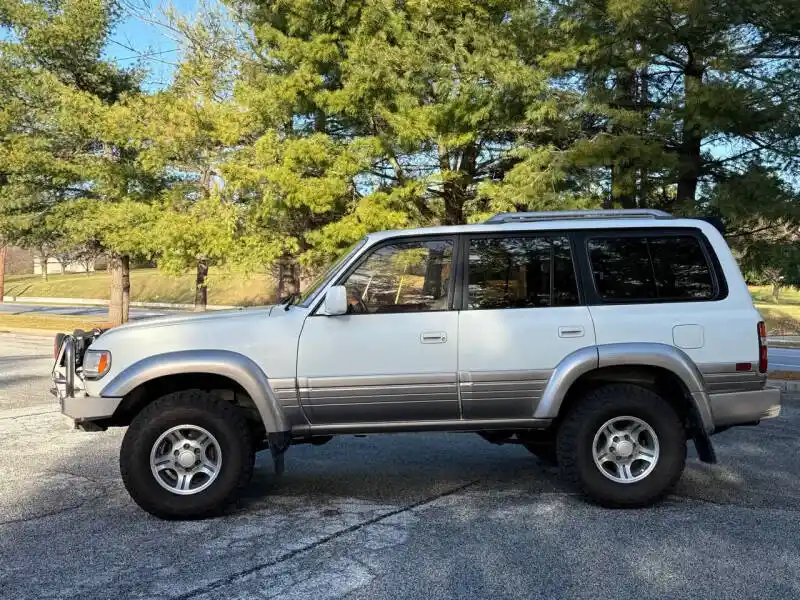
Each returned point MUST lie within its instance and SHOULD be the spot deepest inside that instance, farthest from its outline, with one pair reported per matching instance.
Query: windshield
(314, 288)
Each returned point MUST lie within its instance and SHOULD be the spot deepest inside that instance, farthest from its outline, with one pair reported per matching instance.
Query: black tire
(189, 407)
(576, 436)
(545, 451)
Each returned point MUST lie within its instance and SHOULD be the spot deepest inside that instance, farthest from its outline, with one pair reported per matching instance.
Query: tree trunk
(690, 157)
(460, 169)
(43, 262)
(115, 295)
(453, 207)
(3, 250)
(288, 278)
(126, 288)
(623, 173)
(200, 288)
(776, 291)
(622, 180)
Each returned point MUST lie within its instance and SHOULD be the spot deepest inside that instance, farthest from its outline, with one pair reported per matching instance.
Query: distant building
(19, 261)
(55, 266)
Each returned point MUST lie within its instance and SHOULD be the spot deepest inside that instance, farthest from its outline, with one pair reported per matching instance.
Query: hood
(180, 319)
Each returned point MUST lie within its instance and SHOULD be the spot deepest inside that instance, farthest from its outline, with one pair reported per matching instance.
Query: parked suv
(600, 340)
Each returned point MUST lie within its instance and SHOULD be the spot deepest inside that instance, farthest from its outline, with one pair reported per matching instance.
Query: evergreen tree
(56, 90)
(689, 92)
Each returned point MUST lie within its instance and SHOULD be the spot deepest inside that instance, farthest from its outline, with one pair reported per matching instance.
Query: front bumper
(68, 388)
(739, 408)
(89, 408)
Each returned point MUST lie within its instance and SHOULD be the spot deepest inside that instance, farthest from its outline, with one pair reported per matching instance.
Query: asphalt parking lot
(402, 516)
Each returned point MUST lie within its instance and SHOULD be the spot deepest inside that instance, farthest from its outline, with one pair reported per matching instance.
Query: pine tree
(688, 92)
(380, 114)
(56, 89)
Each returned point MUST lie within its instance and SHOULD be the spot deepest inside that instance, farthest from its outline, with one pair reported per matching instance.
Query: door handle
(433, 337)
(570, 332)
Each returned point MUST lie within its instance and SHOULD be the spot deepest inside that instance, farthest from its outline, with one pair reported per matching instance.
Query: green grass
(147, 285)
(781, 319)
(51, 323)
(762, 294)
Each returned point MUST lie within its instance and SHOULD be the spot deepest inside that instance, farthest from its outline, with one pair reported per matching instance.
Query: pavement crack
(230, 579)
(49, 514)
(17, 417)
(722, 504)
(102, 491)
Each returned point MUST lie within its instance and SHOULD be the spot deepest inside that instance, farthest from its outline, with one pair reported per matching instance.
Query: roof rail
(629, 213)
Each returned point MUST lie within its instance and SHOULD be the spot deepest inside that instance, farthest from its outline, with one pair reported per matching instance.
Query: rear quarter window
(651, 267)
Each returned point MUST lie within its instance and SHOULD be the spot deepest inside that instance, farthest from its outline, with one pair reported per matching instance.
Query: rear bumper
(738, 408)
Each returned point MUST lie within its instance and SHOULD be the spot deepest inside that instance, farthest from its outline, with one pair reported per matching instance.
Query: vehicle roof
(558, 224)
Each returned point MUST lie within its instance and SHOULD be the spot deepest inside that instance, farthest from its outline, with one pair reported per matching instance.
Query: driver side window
(402, 277)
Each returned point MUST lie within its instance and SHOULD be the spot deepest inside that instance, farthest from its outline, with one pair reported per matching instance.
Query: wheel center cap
(624, 449)
(186, 459)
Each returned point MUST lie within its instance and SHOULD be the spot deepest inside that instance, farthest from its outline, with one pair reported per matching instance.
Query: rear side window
(523, 272)
(650, 268)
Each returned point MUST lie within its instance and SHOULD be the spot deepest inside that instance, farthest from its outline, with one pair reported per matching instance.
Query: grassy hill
(148, 285)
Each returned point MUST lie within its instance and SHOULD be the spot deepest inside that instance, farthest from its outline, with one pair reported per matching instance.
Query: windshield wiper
(288, 301)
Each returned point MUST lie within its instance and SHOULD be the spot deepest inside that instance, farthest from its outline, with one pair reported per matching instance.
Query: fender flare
(228, 364)
(649, 354)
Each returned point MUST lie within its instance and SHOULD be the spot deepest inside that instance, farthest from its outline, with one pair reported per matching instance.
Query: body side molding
(233, 365)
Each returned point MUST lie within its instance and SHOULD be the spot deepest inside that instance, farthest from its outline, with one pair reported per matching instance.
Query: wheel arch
(665, 368)
(204, 369)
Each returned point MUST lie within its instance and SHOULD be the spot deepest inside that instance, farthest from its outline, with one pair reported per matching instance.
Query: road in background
(784, 359)
(25, 364)
(17, 308)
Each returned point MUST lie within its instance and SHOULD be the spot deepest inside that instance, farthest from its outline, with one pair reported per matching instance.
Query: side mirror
(336, 301)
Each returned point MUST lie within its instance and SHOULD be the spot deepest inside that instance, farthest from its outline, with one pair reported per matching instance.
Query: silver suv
(600, 340)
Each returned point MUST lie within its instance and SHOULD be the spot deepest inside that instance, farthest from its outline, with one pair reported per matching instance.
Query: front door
(522, 315)
(393, 356)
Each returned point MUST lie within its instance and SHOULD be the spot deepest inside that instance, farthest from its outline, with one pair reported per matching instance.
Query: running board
(412, 426)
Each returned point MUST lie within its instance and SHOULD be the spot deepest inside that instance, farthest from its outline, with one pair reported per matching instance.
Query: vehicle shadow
(398, 469)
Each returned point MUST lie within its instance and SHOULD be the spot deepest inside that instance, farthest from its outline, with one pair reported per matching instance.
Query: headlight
(96, 363)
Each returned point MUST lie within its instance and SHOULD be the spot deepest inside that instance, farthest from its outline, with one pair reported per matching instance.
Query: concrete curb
(98, 302)
(785, 385)
(780, 344)
(24, 331)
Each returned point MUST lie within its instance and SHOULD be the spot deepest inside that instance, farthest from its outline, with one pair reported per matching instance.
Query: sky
(139, 38)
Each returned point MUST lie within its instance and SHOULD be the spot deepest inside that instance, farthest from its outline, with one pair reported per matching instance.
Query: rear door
(521, 315)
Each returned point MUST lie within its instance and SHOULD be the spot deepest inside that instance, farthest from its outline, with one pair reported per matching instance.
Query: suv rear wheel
(187, 455)
(622, 445)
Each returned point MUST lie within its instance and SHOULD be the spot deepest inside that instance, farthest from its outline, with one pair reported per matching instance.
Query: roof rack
(630, 213)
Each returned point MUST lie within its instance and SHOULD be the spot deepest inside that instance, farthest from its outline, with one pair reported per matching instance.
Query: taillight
(762, 347)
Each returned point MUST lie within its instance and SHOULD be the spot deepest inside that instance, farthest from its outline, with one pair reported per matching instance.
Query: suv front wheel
(622, 445)
(187, 455)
